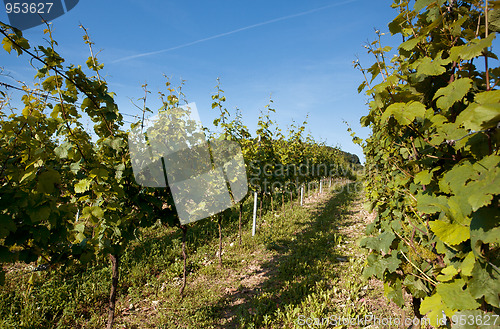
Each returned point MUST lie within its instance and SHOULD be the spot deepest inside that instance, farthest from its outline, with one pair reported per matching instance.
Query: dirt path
(373, 292)
(348, 289)
(302, 262)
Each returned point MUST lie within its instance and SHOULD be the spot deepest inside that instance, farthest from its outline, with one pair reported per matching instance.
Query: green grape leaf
(434, 306)
(62, 150)
(450, 233)
(447, 273)
(484, 228)
(487, 97)
(404, 113)
(480, 116)
(421, 4)
(468, 264)
(455, 297)
(395, 25)
(454, 92)
(47, 181)
(454, 180)
(97, 212)
(29, 175)
(429, 67)
(380, 243)
(431, 204)
(75, 167)
(378, 265)
(483, 284)
(494, 19)
(485, 182)
(39, 214)
(459, 209)
(411, 43)
(361, 86)
(7, 44)
(483, 113)
(424, 177)
(18, 44)
(394, 293)
(80, 227)
(456, 27)
(82, 186)
(100, 173)
(416, 286)
(480, 199)
(472, 49)
(115, 143)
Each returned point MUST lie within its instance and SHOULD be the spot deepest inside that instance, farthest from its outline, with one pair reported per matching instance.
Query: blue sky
(300, 52)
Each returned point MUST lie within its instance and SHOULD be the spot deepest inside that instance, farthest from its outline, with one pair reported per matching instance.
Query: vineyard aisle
(301, 265)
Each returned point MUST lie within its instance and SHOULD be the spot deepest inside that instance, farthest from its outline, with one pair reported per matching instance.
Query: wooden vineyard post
(272, 206)
(260, 208)
(115, 261)
(283, 200)
(184, 257)
(219, 223)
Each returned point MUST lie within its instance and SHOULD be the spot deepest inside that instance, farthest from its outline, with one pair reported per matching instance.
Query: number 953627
(485, 320)
(28, 8)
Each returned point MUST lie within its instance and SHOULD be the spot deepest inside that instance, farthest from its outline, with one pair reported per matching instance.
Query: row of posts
(302, 192)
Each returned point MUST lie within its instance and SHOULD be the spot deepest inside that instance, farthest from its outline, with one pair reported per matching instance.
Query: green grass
(297, 264)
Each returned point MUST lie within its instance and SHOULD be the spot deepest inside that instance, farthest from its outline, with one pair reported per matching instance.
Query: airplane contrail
(233, 31)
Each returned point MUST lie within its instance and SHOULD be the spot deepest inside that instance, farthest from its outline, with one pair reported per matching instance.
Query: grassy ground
(303, 263)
